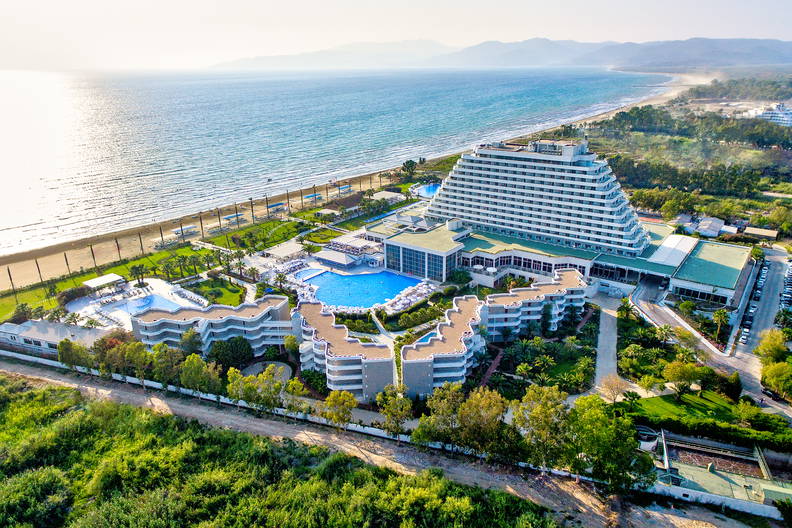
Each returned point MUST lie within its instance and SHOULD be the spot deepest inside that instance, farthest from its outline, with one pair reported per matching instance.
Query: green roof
(488, 243)
(637, 264)
(439, 238)
(714, 264)
(657, 233)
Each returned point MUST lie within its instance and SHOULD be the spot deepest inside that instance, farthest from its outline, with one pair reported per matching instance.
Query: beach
(30, 267)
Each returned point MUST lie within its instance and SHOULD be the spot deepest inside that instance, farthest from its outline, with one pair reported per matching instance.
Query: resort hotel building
(529, 210)
(265, 322)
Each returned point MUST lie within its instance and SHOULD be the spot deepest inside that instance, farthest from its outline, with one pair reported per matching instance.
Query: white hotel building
(264, 322)
(530, 210)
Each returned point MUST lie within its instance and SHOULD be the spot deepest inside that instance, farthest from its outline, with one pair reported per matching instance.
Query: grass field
(360, 221)
(38, 296)
(229, 293)
(266, 234)
(442, 165)
(322, 236)
(709, 405)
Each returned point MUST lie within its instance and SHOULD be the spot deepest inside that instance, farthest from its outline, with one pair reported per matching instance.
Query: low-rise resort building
(264, 323)
(548, 211)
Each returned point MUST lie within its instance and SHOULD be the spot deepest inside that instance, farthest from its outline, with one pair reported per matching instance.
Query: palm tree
(626, 310)
(664, 333)
(208, 260)
(195, 261)
(280, 279)
(182, 261)
(239, 257)
(168, 269)
(720, 317)
(253, 273)
(153, 270)
(138, 271)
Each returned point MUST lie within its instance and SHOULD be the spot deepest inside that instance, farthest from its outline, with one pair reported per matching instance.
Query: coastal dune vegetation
(75, 462)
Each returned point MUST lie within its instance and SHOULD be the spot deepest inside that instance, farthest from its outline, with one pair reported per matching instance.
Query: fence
(677, 492)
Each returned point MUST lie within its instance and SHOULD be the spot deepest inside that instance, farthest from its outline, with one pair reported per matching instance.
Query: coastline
(105, 248)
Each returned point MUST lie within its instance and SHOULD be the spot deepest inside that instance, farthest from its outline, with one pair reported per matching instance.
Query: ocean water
(89, 154)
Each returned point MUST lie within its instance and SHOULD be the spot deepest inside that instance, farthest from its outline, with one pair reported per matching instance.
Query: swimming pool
(153, 301)
(306, 272)
(363, 290)
(428, 190)
(427, 337)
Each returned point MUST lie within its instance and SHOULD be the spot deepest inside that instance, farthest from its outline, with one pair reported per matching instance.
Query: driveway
(768, 304)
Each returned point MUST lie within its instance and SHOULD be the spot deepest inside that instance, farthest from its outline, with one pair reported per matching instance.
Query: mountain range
(646, 56)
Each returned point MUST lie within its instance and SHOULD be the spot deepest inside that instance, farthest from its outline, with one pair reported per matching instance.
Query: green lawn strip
(360, 221)
(442, 164)
(37, 296)
(268, 233)
(708, 405)
(230, 292)
(322, 236)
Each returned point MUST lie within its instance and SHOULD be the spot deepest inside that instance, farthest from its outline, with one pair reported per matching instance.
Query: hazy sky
(64, 34)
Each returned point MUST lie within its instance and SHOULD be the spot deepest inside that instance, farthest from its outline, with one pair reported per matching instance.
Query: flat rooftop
(728, 484)
(440, 238)
(566, 279)
(339, 343)
(449, 333)
(715, 264)
(215, 311)
(489, 243)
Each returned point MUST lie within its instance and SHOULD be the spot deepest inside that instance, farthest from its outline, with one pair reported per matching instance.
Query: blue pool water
(427, 337)
(363, 291)
(153, 301)
(429, 190)
(306, 272)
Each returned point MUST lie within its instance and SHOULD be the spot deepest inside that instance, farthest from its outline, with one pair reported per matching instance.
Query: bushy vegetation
(776, 358)
(356, 322)
(89, 464)
(315, 380)
(220, 291)
(259, 236)
(742, 89)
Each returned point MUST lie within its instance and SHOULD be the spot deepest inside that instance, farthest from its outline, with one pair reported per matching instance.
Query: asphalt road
(768, 304)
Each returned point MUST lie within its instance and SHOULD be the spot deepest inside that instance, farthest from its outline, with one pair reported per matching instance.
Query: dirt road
(570, 501)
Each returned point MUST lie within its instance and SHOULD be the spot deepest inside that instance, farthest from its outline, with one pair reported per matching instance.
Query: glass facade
(414, 262)
(393, 257)
(435, 267)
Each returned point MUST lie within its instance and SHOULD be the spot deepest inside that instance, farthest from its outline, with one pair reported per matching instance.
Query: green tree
(269, 386)
(744, 412)
(778, 376)
(294, 393)
(626, 310)
(687, 307)
(606, 447)
(138, 271)
(236, 352)
(772, 347)
(139, 359)
(396, 408)
(648, 383)
(441, 424)
(682, 375)
(192, 373)
(337, 408)
(235, 388)
(116, 360)
(291, 346)
(408, 167)
(165, 364)
(479, 420)
(280, 280)
(73, 354)
(213, 380)
(631, 398)
(720, 317)
(191, 342)
(542, 416)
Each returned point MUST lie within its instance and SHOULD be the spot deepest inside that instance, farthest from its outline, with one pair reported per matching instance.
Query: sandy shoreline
(129, 243)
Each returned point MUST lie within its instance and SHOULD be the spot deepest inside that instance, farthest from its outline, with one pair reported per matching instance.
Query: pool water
(363, 290)
(427, 337)
(429, 190)
(153, 302)
(306, 272)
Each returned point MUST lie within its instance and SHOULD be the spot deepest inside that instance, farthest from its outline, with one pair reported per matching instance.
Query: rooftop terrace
(336, 336)
(714, 263)
(459, 321)
(215, 311)
(565, 280)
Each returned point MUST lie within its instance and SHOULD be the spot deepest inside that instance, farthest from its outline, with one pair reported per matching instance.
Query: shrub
(68, 295)
(315, 380)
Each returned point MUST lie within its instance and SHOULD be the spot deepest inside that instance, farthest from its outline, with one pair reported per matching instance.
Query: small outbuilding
(104, 281)
(388, 196)
(758, 232)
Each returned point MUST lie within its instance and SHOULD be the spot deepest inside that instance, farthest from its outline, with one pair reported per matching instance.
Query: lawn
(219, 291)
(37, 296)
(443, 164)
(360, 221)
(309, 214)
(708, 405)
(322, 236)
(262, 235)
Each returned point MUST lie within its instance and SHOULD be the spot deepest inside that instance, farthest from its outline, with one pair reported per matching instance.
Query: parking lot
(761, 310)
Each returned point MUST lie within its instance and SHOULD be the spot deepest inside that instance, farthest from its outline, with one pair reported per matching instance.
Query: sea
(87, 154)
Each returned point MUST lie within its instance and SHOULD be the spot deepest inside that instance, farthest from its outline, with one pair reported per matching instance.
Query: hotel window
(414, 262)
(435, 267)
(393, 257)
